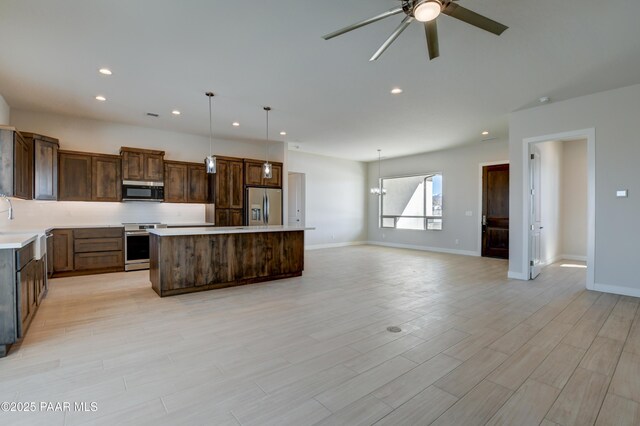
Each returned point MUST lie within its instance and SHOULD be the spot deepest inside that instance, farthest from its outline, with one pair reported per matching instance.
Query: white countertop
(171, 232)
(16, 241)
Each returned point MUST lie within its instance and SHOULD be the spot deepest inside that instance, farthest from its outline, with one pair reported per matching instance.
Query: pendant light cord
(379, 158)
(210, 95)
(267, 109)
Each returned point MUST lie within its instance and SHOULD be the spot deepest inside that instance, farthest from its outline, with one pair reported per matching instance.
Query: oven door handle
(136, 233)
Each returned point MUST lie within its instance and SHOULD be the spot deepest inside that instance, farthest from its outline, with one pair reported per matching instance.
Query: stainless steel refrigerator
(264, 206)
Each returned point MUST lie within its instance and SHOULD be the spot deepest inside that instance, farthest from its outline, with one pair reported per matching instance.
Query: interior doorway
(296, 200)
(533, 260)
(495, 211)
(558, 194)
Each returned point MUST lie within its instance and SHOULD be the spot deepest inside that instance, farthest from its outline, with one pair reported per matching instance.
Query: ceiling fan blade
(403, 26)
(431, 30)
(470, 17)
(357, 25)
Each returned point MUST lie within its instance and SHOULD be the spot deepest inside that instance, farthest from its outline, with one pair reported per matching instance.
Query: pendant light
(379, 190)
(266, 167)
(210, 161)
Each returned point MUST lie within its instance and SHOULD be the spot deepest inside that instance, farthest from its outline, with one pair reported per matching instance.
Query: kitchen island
(186, 260)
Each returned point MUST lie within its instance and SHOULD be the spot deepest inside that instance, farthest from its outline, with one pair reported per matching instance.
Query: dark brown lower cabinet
(84, 251)
(23, 284)
(188, 263)
(62, 250)
(229, 217)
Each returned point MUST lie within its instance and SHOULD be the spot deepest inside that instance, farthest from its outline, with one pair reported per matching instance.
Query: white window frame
(395, 218)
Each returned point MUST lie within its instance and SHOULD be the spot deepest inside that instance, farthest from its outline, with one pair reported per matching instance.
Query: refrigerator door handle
(264, 207)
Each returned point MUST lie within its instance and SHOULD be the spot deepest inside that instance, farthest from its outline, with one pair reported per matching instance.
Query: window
(412, 202)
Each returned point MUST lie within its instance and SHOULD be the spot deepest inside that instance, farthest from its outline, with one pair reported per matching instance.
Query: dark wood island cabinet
(195, 259)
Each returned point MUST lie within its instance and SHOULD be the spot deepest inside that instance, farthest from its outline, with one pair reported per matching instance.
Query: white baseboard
(334, 245)
(573, 257)
(518, 275)
(423, 248)
(624, 291)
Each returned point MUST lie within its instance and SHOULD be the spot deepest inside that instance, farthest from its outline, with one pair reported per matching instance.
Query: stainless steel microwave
(142, 191)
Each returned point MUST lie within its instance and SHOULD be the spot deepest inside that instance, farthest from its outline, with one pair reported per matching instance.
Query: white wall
(574, 199)
(550, 193)
(335, 198)
(80, 134)
(460, 169)
(614, 116)
(5, 112)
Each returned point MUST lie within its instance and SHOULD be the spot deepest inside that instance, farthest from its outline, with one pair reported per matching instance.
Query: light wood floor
(474, 348)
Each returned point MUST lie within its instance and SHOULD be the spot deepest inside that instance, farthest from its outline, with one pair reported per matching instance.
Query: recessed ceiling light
(101, 98)
(235, 124)
(544, 99)
(485, 133)
(283, 133)
(175, 112)
(105, 71)
(396, 90)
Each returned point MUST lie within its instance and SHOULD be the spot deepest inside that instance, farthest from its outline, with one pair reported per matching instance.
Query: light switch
(623, 193)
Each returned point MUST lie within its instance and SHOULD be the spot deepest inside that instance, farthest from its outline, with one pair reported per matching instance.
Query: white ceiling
(326, 94)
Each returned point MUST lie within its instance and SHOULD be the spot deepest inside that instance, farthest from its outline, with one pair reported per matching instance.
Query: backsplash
(34, 215)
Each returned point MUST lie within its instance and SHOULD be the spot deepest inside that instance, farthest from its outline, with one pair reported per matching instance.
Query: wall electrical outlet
(457, 241)
(468, 213)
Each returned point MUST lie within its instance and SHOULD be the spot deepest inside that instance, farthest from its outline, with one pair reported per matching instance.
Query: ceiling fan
(425, 11)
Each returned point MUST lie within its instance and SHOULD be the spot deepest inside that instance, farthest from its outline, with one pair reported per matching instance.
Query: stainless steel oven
(136, 245)
(142, 191)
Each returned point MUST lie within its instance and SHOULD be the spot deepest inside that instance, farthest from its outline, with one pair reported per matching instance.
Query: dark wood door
(74, 182)
(154, 167)
(23, 167)
(132, 165)
(197, 184)
(276, 177)
(236, 185)
(253, 173)
(495, 211)
(62, 250)
(106, 178)
(223, 217)
(236, 217)
(223, 180)
(176, 182)
(45, 160)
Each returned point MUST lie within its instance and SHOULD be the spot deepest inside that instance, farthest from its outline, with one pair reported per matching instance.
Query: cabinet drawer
(24, 255)
(85, 245)
(102, 260)
(98, 233)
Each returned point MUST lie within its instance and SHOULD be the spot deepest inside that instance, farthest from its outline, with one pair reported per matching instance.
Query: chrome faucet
(8, 200)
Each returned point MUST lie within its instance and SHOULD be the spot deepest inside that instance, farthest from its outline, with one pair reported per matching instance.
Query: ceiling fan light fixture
(427, 10)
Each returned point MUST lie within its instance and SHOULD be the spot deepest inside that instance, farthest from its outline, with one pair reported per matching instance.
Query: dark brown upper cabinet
(253, 174)
(198, 186)
(229, 192)
(45, 166)
(74, 176)
(16, 164)
(89, 177)
(175, 182)
(142, 164)
(185, 182)
(106, 178)
(229, 184)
